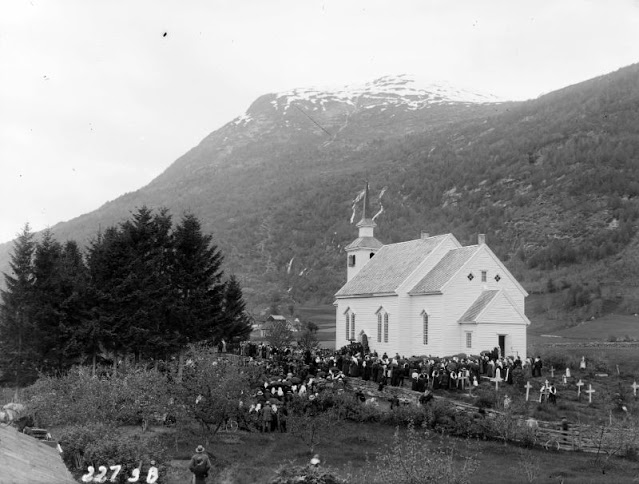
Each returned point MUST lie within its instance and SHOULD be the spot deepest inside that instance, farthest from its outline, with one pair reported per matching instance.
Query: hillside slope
(553, 182)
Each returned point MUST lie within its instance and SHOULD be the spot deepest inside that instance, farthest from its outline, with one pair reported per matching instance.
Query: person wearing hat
(200, 465)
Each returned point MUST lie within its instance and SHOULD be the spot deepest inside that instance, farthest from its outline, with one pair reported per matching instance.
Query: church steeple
(362, 249)
(366, 224)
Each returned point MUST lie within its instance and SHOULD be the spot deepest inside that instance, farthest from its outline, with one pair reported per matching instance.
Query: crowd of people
(294, 372)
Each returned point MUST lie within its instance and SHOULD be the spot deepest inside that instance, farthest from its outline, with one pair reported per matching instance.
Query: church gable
(444, 270)
(493, 307)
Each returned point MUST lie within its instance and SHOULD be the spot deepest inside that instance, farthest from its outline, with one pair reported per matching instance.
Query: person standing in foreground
(200, 465)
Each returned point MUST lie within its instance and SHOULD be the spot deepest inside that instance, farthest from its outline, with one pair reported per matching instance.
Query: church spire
(364, 247)
(367, 220)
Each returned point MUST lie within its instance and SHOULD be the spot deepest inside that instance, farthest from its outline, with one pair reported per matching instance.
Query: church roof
(364, 243)
(444, 270)
(484, 299)
(390, 267)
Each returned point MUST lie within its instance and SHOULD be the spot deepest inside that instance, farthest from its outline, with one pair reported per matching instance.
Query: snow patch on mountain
(402, 90)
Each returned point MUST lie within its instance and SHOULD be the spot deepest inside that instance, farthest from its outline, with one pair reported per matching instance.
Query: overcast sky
(99, 97)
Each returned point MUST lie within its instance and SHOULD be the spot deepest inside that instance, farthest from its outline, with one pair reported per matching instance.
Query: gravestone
(528, 386)
(579, 385)
(497, 380)
(590, 391)
(634, 388)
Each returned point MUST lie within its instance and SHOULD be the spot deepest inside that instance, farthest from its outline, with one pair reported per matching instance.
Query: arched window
(353, 326)
(425, 324)
(382, 325)
(347, 324)
(349, 320)
(385, 327)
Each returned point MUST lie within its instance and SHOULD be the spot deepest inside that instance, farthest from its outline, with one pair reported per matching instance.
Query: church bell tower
(362, 249)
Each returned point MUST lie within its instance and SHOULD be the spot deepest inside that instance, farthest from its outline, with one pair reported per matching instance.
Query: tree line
(143, 289)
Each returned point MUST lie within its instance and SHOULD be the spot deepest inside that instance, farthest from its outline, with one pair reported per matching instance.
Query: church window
(425, 321)
(470, 276)
(347, 324)
(469, 340)
(483, 276)
(385, 327)
(351, 260)
(497, 277)
(352, 326)
(382, 325)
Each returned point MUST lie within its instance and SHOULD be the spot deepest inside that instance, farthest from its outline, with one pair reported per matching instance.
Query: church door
(502, 344)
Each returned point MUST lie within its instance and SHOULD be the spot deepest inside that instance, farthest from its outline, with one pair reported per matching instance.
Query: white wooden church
(429, 296)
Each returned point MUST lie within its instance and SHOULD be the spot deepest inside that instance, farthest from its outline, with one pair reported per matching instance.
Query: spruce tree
(17, 351)
(236, 324)
(47, 302)
(197, 282)
(100, 334)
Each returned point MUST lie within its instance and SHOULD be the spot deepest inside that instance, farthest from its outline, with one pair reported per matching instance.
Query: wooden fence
(548, 435)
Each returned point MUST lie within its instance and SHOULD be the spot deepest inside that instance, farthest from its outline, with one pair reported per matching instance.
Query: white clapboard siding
(365, 310)
(432, 304)
(500, 317)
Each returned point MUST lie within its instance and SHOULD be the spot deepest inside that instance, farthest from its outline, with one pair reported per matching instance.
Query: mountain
(553, 182)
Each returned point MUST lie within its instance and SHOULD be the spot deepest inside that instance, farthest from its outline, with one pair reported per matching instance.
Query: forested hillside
(553, 182)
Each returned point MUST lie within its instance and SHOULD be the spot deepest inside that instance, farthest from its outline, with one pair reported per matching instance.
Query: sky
(99, 97)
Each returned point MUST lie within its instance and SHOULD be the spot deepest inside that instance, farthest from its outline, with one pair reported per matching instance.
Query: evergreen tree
(73, 305)
(17, 351)
(197, 282)
(47, 302)
(100, 333)
(145, 293)
(236, 325)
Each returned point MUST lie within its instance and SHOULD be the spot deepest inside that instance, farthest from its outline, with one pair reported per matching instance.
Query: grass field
(351, 449)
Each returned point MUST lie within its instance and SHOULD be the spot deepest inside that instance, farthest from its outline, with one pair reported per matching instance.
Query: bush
(288, 474)
(79, 398)
(403, 415)
(100, 445)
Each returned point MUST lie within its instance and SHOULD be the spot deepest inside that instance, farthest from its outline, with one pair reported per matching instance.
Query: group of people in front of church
(293, 373)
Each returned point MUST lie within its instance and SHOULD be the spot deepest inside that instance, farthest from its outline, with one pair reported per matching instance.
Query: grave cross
(552, 372)
(590, 391)
(579, 385)
(528, 386)
(497, 380)
(634, 388)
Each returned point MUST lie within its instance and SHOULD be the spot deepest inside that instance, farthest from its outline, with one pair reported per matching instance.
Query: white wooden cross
(590, 391)
(497, 379)
(552, 372)
(634, 388)
(528, 386)
(579, 385)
